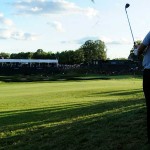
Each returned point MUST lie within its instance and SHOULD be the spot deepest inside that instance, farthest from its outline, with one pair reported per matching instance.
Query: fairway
(73, 115)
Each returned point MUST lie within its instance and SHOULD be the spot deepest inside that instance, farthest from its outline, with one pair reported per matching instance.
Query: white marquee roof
(29, 61)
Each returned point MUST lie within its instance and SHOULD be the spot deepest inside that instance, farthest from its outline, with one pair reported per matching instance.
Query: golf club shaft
(130, 27)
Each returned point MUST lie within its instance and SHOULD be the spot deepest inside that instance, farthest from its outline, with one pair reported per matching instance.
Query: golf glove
(135, 51)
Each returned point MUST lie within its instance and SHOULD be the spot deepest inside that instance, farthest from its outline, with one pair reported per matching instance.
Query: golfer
(144, 49)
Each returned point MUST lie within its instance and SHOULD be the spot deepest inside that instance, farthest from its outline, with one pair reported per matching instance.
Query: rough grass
(73, 115)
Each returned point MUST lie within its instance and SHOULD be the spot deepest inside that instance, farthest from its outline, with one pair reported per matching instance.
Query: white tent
(55, 61)
(30, 62)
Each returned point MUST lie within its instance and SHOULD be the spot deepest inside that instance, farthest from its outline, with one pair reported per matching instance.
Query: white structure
(29, 61)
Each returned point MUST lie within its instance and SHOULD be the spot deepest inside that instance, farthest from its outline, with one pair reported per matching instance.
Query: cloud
(16, 34)
(83, 40)
(57, 26)
(106, 40)
(80, 41)
(121, 41)
(5, 21)
(11, 32)
(45, 7)
(90, 12)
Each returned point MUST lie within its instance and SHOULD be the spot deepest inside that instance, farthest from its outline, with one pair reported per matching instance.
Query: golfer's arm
(141, 49)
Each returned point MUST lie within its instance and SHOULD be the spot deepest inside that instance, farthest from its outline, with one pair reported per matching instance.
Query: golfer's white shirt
(146, 59)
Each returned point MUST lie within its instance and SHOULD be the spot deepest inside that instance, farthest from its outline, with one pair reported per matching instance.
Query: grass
(73, 115)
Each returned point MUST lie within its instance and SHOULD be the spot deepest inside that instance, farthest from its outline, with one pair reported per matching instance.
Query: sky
(59, 25)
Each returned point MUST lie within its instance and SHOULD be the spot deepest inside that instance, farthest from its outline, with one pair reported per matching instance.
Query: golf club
(126, 6)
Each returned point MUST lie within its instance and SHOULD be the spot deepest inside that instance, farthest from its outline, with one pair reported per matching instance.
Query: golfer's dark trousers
(146, 89)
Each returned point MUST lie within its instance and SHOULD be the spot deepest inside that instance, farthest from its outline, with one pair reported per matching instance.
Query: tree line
(90, 50)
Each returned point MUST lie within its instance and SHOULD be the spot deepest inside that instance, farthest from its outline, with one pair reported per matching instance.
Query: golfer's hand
(136, 49)
(136, 46)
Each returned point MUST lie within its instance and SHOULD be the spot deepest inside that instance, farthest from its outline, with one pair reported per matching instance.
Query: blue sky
(58, 25)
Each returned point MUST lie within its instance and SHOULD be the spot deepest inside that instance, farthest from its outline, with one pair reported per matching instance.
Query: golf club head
(127, 5)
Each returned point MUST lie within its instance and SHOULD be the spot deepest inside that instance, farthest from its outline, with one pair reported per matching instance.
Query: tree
(79, 56)
(4, 55)
(70, 59)
(39, 54)
(51, 55)
(21, 55)
(66, 57)
(28, 55)
(100, 52)
(94, 50)
(14, 56)
(61, 57)
(120, 59)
